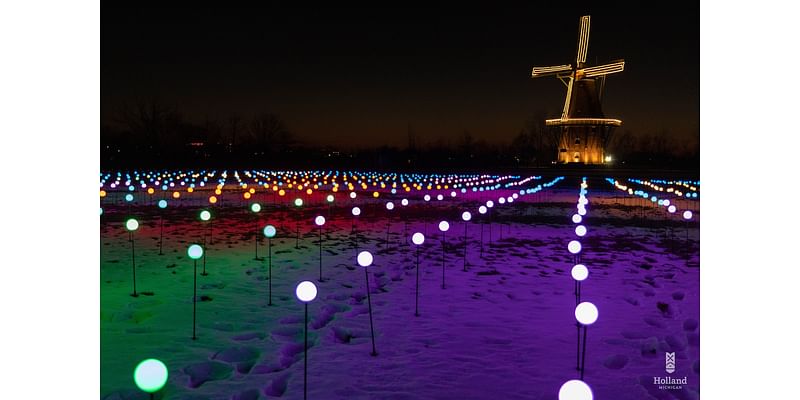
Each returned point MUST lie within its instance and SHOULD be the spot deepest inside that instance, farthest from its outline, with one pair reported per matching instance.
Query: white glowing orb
(390, 206)
(270, 231)
(298, 202)
(320, 220)
(466, 216)
(255, 207)
(444, 226)
(482, 209)
(580, 230)
(364, 259)
(666, 203)
(580, 272)
(672, 209)
(306, 291)
(132, 224)
(352, 195)
(576, 218)
(581, 211)
(404, 202)
(490, 204)
(501, 200)
(329, 198)
(356, 211)
(418, 238)
(687, 214)
(586, 313)
(516, 196)
(574, 247)
(195, 251)
(452, 194)
(575, 389)
(205, 215)
(427, 197)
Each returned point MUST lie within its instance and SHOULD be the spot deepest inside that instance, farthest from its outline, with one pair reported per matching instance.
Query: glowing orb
(102, 193)
(150, 375)
(418, 238)
(390, 206)
(404, 202)
(306, 291)
(586, 313)
(501, 200)
(212, 199)
(581, 211)
(666, 203)
(440, 197)
(672, 209)
(269, 231)
(580, 272)
(320, 220)
(329, 198)
(132, 224)
(298, 202)
(352, 195)
(205, 215)
(162, 203)
(687, 215)
(576, 218)
(151, 191)
(452, 194)
(128, 197)
(575, 389)
(195, 251)
(482, 209)
(427, 197)
(444, 226)
(101, 210)
(255, 207)
(356, 211)
(574, 247)
(580, 230)
(247, 195)
(490, 204)
(176, 195)
(466, 216)
(364, 259)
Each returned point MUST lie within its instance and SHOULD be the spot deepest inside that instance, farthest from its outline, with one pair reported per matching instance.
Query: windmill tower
(584, 129)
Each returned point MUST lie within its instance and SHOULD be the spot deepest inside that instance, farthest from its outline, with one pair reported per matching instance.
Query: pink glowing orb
(427, 197)
(574, 247)
(444, 226)
(404, 202)
(440, 197)
(580, 272)
(687, 215)
(586, 313)
(672, 209)
(575, 390)
(666, 203)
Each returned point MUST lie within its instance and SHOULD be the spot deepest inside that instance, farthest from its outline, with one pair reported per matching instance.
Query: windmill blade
(583, 39)
(539, 72)
(602, 70)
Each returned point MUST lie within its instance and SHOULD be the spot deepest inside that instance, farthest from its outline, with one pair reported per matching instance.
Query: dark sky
(358, 76)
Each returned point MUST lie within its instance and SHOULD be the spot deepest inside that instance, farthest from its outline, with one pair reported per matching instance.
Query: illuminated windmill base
(584, 129)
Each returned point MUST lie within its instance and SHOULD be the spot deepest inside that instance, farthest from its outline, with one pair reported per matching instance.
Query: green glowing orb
(255, 207)
(298, 202)
(269, 231)
(205, 215)
(195, 251)
(132, 224)
(150, 375)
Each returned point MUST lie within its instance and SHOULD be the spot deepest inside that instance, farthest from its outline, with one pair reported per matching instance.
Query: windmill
(584, 128)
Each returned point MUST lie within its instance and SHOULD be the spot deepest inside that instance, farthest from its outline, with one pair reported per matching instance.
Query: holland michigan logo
(670, 363)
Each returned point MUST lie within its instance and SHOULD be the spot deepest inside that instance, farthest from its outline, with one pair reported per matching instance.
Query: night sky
(356, 76)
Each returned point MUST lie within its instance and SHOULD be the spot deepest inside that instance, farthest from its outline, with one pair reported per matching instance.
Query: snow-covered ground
(505, 328)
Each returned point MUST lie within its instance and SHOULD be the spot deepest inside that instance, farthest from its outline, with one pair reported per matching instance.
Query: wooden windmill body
(584, 129)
